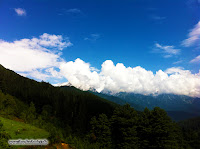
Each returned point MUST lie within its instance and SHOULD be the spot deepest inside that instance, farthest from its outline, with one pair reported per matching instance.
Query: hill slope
(71, 107)
(17, 129)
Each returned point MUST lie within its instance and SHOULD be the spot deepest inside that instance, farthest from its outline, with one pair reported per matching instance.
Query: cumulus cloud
(195, 60)
(81, 75)
(20, 11)
(168, 51)
(118, 78)
(193, 37)
(30, 55)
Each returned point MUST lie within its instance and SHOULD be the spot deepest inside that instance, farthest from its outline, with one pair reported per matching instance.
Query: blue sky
(146, 33)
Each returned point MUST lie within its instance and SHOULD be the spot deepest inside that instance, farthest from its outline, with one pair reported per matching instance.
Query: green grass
(20, 130)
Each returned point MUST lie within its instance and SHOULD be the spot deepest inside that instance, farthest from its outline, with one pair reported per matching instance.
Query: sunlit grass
(23, 131)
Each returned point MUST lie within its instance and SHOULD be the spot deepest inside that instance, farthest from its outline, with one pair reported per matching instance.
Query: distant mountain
(118, 100)
(179, 107)
(166, 101)
(63, 84)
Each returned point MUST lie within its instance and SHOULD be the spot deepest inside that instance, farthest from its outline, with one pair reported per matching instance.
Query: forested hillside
(84, 120)
(74, 108)
(191, 131)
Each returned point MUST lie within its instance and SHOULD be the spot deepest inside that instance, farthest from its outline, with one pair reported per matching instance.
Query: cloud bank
(118, 78)
(41, 58)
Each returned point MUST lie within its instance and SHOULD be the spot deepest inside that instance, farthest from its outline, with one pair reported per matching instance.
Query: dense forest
(86, 121)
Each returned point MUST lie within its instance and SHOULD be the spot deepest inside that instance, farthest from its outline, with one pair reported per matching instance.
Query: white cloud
(40, 58)
(53, 73)
(195, 60)
(38, 74)
(75, 12)
(29, 55)
(20, 11)
(118, 78)
(167, 56)
(81, 75)
(178, 62)
(193, 37)
(92, 37)
(168, 51)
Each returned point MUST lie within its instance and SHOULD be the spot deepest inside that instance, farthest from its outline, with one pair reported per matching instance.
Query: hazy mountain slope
(118, 100)
(168, 102)
(179, 107)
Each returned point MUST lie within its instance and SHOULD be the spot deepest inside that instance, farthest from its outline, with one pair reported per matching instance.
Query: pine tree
(101, 131)
(164, 133)
(144, 129)
(124, 123)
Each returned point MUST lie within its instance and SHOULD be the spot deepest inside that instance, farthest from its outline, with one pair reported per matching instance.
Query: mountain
(179, 107)
(118, 100)
(168, 102)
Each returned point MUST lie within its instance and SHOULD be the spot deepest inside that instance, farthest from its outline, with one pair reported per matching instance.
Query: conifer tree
(101, 131)
(124, 123)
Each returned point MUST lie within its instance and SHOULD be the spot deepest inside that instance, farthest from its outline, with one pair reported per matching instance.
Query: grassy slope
(26, 131)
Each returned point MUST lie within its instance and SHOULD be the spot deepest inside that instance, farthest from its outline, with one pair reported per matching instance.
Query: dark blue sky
(122, 31)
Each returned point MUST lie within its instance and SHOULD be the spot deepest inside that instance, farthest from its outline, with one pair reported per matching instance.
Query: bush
(4, 137)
